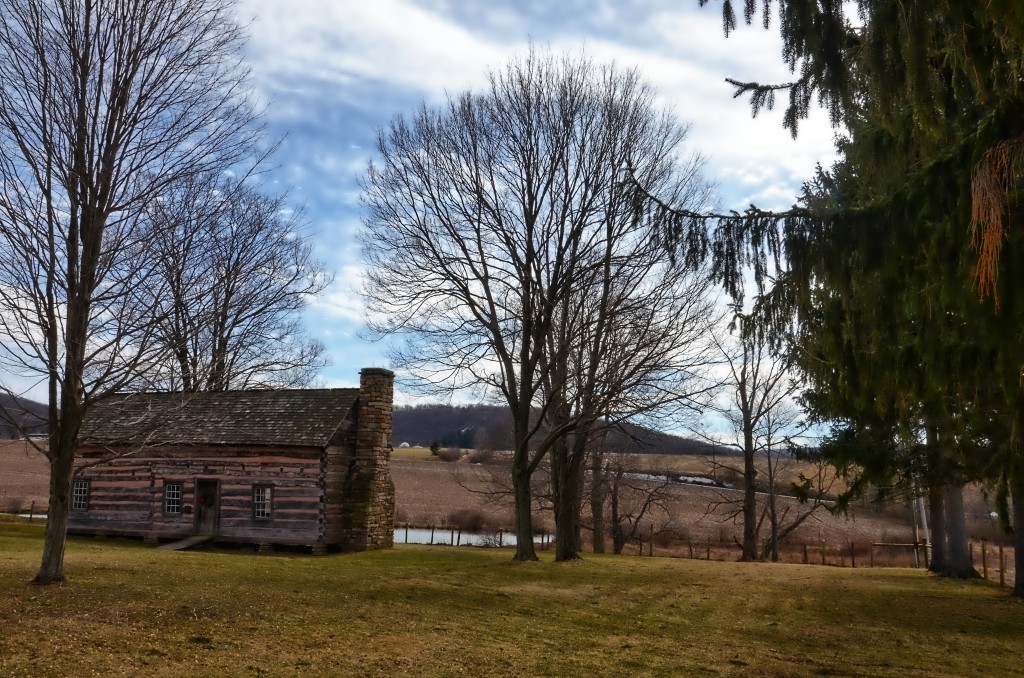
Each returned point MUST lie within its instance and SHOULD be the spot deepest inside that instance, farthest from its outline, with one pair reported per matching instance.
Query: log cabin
(308, 468)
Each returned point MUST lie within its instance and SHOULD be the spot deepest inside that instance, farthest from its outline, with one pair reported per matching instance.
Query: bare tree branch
(492, 220)
(103, 106)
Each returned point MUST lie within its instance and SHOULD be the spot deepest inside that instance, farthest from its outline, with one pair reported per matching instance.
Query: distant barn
(290, 467)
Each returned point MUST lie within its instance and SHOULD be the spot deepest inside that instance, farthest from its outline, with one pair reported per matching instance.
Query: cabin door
(207, 506)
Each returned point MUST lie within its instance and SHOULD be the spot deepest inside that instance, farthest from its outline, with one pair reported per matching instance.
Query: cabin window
(262, 498)
(80, 495)
(172, 498)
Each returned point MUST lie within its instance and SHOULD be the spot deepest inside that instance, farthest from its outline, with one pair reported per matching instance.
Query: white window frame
(172, 498)
(262, 502)
(80, 495)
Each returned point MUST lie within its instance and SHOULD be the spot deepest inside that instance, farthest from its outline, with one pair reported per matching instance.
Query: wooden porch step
(187, 543)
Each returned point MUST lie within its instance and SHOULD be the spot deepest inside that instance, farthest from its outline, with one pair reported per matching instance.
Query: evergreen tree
(877, 269)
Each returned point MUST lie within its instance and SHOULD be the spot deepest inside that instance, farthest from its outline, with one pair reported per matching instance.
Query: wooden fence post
(822, 551)
(709, 548)
(984, 559)
(806, 558)
(853, 556)
(32, 512)
(431, 535)
(407, 533)
(871, 558)
(501, 536)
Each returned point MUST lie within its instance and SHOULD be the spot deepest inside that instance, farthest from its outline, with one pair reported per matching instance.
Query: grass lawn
(417, 611)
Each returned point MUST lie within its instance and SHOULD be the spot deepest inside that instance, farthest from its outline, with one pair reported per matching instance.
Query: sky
(329, 73)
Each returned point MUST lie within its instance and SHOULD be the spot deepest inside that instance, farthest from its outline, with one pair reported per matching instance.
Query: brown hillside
(24, 476)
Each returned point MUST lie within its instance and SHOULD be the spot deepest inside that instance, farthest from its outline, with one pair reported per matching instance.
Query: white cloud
(391, 41)
(339, 302)
(330, 71)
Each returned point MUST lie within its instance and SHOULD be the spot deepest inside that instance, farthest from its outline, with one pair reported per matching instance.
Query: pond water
(441, 536)
(686, 480)
(448, 536)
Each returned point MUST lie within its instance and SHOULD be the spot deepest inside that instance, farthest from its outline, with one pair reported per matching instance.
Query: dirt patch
(429, 492)
(24, 477)
(696, 522)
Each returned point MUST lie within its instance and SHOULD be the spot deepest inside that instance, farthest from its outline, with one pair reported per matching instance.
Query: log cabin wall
(337, 464)
(320, 458)
(126, 496)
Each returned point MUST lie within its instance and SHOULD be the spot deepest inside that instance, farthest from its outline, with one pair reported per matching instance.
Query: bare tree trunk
(63, 445)
(560, 482)
(937, 520)
(51, 568)
(1018, 533)
(936, 505)
(958, 563)
(597, 494)
(523, 505)
(618, 534)
(749, 499)
(567, 521)
(567, 456)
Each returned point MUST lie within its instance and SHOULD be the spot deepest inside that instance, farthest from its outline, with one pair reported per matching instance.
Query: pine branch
(732, 242)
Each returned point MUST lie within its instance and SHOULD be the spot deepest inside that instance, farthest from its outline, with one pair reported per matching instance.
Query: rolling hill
(21, 413)
(490, 426)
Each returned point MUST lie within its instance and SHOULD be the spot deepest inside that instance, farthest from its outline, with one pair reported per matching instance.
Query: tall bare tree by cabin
(102, 106)
(766, 425)
(497, 201)
(233, 271)
(633, 342)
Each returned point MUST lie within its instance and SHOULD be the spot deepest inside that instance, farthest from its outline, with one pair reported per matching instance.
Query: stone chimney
(370, 492)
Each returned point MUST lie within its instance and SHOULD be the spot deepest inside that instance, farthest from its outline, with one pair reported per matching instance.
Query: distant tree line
(488, 427)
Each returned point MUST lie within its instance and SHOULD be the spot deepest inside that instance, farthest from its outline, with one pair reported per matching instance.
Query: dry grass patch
(420, 453)
(129, 609)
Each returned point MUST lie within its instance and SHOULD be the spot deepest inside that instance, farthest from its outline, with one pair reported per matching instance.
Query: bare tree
(233, 272)
(482, 214)
(103, 106)
(624, 500)
(762, 386)
(636, 500)
(780, 458)
(633, 342)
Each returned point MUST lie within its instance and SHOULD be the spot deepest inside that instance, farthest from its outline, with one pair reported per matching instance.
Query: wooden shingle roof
(306, 417)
